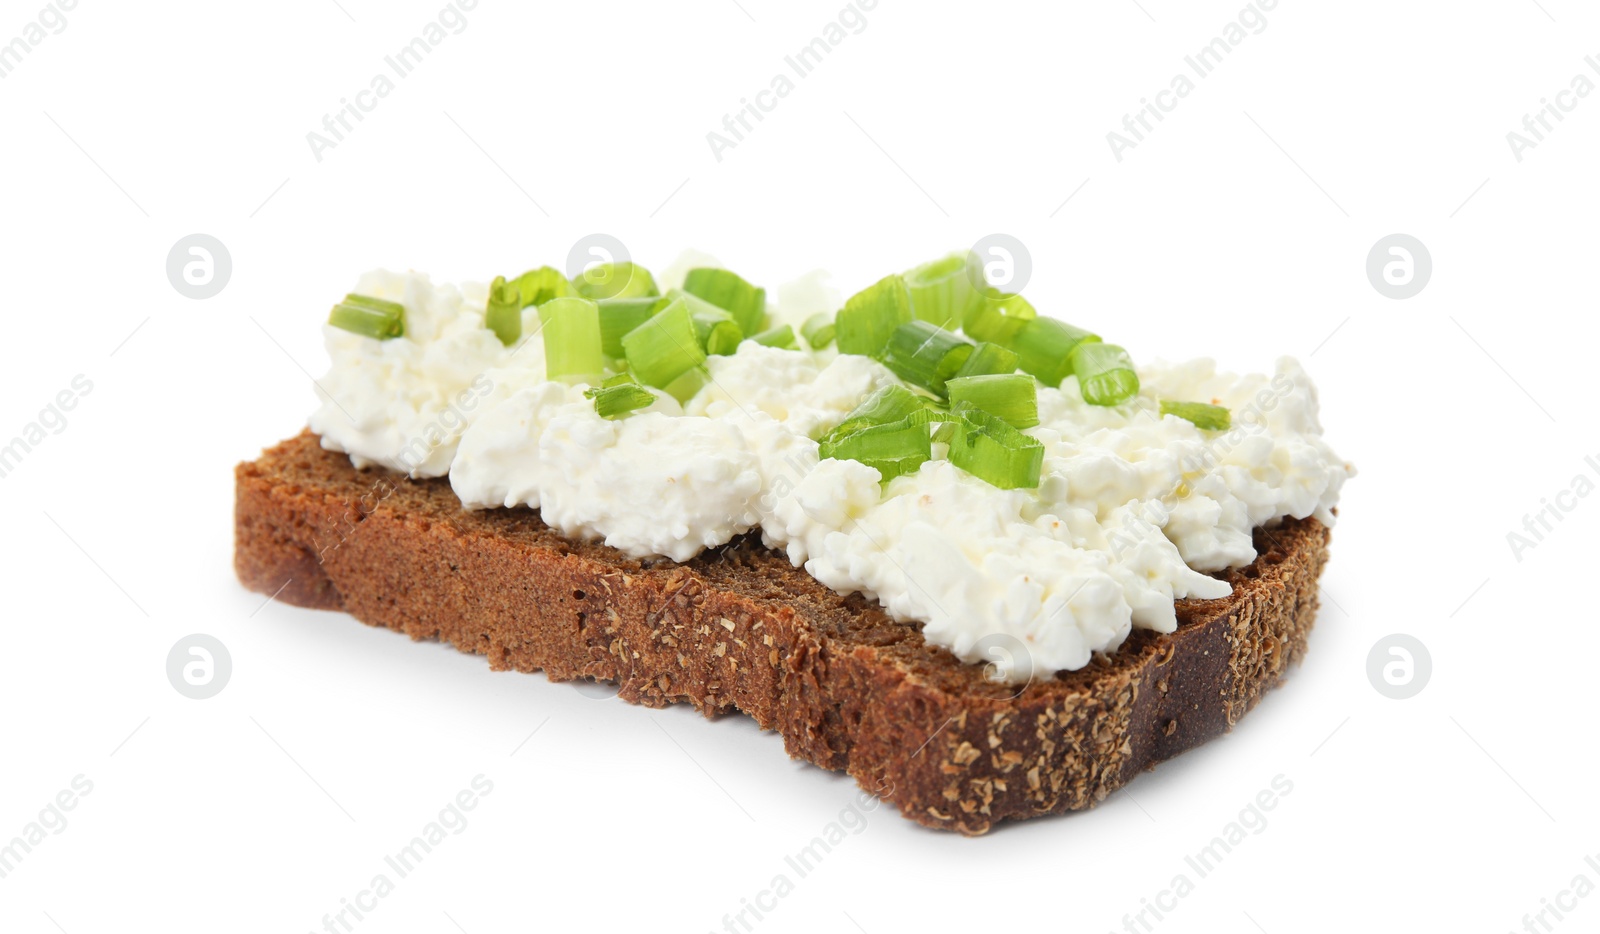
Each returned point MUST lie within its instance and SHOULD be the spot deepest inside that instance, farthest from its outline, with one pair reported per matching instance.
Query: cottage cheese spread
(1132, 511)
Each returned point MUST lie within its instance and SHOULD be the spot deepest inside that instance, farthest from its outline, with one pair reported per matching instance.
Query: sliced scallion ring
(925, 355)
(664, 347)
(893, 449)
(1105, 373)
(988, 358)
(1203, 414)
(993, 451)
(870, 316)
(726, 290)
(1012, 397)
(618, 316)
(617, 401)
(943, 291)
(572, 351)
(781, 336)
(1045, 348)
(369, 317)
(818, 330)
(615, 280)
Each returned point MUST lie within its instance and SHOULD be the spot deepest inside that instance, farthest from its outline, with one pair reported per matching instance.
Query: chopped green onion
(889, 404)
(537, 286)
(684, 387)
(503, 315)
(369, 317)
(725, 289)
(614, 401)
(1204, 415)
(1045, 348)
(664, 347)
(620, 379)
(818, 330)
(572, 349)
(1013, 397)
(943, 291)
(1105, 373)
(893, 449)
(925, 355)
(714, 328)
(998, 317)
(507, 298)
(782, 336)
(870, 316)
(989, 358)
(618, 316)
(615, 280)
(993, 451)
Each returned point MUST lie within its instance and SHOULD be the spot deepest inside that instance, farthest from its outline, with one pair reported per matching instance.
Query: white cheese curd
(403, 403)
(1133, 509)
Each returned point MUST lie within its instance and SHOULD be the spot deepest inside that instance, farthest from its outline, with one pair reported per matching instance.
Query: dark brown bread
(740, 629)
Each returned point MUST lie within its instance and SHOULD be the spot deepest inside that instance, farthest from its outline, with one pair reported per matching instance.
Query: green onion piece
(369, 317)
(782, 336)
(1105, 373)
(889, 404)
(716, 330)
(997, 317)
(537, 286)
(664, 347)
(507, 298)
(618, 316)
(615, 401)
(725, 289)
(924, 354)
(943, 291)
(620, 379)
(1204, 415)
(993, 451)
(1045, 348)
(572, 349)
(503, 315)
(894, 449)
(989, 358)
(684, 387)
(615, 280)
(1013, 397)
(818, 330)
(870, 316)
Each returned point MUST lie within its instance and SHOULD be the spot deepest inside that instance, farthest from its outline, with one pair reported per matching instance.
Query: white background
(1238, 229)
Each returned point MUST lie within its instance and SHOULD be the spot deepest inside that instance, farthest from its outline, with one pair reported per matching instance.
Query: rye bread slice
(739, 629)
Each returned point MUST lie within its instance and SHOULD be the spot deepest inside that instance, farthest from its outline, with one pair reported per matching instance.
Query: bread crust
(740, 629)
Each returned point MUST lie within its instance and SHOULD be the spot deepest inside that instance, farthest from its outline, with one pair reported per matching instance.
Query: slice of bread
(741, 629)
